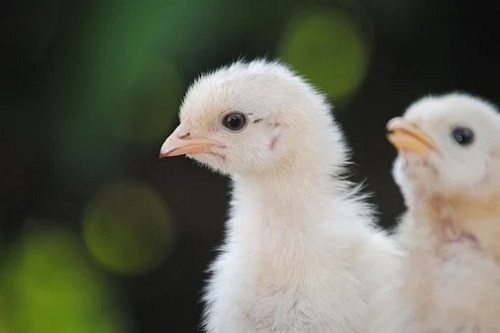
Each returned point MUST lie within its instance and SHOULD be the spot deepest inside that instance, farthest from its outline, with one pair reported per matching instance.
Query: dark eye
(235, 121)
(463, 135)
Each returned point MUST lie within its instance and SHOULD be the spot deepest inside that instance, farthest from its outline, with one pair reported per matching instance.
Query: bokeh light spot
(48, 286)
(127, 228)
(328, 48)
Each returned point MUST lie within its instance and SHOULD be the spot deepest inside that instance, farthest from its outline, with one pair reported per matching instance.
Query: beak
(407, 137)
(182, 142)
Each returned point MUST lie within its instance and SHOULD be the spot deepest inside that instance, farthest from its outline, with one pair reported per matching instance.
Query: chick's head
(251, 117)
(447, 143)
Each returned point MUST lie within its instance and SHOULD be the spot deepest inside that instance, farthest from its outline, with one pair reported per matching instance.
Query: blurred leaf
(122, 89)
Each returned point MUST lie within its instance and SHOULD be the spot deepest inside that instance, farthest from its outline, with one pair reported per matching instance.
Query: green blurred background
(99, 235)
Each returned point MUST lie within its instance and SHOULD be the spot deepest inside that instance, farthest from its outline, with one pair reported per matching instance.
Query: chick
(448, 169)
(301, 253)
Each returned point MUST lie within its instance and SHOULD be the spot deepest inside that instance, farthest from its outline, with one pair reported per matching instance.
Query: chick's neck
(463, 217)
(296, 194)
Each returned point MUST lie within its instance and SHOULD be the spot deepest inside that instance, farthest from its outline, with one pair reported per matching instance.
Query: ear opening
(275, 138)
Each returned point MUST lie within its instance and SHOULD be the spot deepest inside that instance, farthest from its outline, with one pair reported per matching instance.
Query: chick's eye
(463, 135)
(235, 121)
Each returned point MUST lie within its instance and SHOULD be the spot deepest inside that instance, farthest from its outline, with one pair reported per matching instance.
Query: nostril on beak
(184, 136)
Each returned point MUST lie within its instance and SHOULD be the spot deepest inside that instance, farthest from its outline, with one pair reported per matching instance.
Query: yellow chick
(448, 169)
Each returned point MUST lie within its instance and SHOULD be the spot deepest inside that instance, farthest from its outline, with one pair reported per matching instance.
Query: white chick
(300, 253)
(448, 169)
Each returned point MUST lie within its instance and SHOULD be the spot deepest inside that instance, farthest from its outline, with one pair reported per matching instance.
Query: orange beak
(407, 137)
(182, 142)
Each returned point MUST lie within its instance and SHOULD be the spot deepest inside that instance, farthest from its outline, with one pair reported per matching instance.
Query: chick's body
(449, 280)
(300, 276)
(300, 253)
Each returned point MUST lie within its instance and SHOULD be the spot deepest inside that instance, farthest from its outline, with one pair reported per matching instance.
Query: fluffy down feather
(301, 253)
